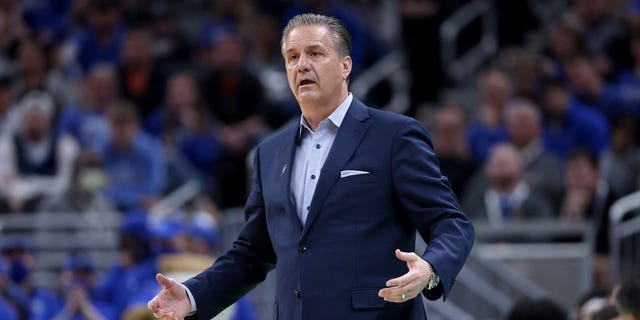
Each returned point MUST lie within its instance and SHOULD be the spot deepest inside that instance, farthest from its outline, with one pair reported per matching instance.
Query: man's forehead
(313, 35)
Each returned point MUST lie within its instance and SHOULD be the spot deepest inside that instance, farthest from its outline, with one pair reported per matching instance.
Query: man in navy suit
(335, 204)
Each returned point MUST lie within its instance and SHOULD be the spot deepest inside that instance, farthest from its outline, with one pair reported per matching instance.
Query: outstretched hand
(409, 285)
(172, 303)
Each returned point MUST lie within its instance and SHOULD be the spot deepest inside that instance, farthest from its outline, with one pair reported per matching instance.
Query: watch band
(434, 280)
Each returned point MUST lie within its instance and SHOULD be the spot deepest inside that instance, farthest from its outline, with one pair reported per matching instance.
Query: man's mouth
(305, 82)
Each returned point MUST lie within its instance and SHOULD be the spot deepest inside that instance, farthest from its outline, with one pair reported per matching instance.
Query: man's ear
(346, 67)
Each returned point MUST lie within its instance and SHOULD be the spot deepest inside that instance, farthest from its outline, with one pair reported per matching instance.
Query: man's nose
(303, 64)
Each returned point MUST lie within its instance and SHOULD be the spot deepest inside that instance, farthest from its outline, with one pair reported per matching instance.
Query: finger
(403, 280)
(395, 295)
(406, 256)
(164, 281)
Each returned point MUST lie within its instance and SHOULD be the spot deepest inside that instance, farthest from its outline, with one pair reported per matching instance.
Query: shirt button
(317, 146)
(296, 293)
(308, 207)
(302, 248)
(313, 176)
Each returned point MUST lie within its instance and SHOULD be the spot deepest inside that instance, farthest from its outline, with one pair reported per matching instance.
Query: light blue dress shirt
(311, 153)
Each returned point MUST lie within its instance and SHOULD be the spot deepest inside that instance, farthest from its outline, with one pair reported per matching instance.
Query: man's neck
(314, 113)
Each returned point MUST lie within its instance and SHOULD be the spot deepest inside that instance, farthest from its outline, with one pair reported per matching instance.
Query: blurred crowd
(110, 105)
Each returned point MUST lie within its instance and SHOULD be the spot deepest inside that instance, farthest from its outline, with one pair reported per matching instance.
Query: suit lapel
(347, 140)
(285, 160)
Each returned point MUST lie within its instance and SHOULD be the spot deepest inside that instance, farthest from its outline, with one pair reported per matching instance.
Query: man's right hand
(172, 303)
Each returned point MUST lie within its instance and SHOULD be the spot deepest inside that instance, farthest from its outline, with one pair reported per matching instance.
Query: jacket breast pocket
(356, 180)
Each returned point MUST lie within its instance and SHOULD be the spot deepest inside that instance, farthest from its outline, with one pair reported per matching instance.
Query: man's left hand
(409, 285)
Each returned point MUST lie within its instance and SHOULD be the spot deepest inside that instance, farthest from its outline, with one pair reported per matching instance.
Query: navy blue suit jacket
(333, 266)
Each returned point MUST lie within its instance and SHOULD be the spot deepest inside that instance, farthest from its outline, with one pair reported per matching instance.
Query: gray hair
(339, 35)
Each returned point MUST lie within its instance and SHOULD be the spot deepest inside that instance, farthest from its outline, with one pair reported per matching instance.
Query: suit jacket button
(296, 293)
(302, 248)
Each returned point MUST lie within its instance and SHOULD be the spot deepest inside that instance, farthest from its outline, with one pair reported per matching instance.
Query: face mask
(18, 271)
(91, 180)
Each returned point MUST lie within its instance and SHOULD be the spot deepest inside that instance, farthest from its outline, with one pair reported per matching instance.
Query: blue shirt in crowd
(134, 174)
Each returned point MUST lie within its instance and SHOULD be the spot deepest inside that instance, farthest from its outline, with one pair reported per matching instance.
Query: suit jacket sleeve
(243, 267)
(425, 194)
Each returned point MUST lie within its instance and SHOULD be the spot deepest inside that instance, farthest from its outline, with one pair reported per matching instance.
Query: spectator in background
(563, 41)
(34, 73)
(628, 299)
(7, 309)
(12, 27)
(187, 130)
(32, 302)
(77, 282)
(542, 170)
(588, 197)
(102, 38)
(35, 162)
(9, 115)
(88, 122)
(133, 160)
(141, 78)
(236, 100)
(421, 20)
(620, 165)
(448, 131)
(488, 126)
(131, 278)
(627, 84)
(568, 124)
(603, 34)
(507, 197)
(86, 191)
(589, 88)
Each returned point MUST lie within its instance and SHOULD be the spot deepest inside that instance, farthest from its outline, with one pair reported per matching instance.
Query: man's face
(315, 70)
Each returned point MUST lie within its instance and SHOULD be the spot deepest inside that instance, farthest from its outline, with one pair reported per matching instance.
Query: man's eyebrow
(313, 47)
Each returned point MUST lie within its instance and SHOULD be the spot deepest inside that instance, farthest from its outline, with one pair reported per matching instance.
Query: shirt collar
(336, 117)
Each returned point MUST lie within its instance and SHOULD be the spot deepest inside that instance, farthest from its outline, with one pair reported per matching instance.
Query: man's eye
(315, 53)
(293, 58)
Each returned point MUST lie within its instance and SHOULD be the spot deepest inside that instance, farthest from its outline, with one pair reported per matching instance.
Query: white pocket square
(348, 173)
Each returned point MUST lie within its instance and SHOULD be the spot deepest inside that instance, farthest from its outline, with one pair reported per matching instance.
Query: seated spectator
(134, 274)
(589, 88)
(588, 197)
(86, 191)
(187, 129)
(9, 115)
(35, 162)
(17, 254)
(133, 161)
(628, 299)
(7, 309)
(35, 73)
(77, 282)
(236, 99)
(88, 122)
(101, 40)
(141, 79)
(540, 309)
(542, 170)
(505, 196)
(448, 131)
(620, 165)
(488, 127)
(568, 124)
